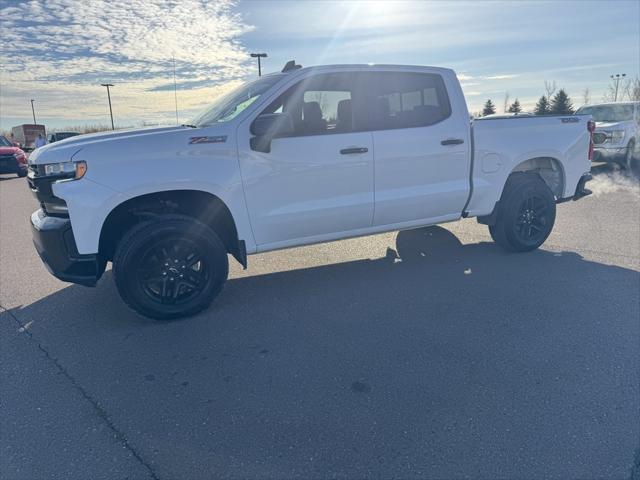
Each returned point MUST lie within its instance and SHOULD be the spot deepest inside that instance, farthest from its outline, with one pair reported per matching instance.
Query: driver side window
(322, 104)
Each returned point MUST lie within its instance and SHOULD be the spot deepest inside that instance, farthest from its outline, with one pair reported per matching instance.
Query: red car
(12, 159)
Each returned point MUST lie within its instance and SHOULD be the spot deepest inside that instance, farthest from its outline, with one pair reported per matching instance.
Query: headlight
(616, 136)
(75, 170)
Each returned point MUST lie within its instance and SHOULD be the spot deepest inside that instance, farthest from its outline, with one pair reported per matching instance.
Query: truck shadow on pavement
(522, 364)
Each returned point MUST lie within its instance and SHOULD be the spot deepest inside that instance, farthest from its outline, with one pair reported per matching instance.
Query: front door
(317, 181)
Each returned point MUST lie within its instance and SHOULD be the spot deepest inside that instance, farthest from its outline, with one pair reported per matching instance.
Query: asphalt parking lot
(421, 354)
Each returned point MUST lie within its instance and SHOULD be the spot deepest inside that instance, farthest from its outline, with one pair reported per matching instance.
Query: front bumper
(608, 154)
(54, 242)
(10, 164)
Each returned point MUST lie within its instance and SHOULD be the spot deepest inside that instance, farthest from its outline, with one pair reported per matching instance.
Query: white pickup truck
(302, 156)
(616, 138)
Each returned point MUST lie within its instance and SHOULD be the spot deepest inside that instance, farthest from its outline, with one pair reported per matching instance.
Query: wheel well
(550, 169)
(203, 206)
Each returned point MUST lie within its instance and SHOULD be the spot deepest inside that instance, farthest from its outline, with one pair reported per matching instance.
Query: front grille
(599, 138)
(36, 170)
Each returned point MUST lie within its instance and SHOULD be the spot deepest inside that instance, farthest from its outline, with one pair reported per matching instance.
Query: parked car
(617, 135)
(12, 158)
(57, 136)
(26, 135)
(289, 160)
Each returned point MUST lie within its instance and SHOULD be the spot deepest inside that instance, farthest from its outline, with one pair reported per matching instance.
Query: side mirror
(267, 127)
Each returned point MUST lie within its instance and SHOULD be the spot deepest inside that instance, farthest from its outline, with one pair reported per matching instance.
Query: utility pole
(109, 97)
(616, 78)
(175, 88)
(259, 56)
(33, 111)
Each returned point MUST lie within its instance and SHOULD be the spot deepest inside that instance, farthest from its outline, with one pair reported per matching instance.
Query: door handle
(452, 141)
(349, 151)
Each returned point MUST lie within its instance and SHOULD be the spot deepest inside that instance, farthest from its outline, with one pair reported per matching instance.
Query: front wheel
(170, 267)
(526, 213)
(628, 162)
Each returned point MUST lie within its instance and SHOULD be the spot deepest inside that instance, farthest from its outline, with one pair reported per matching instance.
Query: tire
(526, 213)
(170, 267)
(628, 161)
(22, 174)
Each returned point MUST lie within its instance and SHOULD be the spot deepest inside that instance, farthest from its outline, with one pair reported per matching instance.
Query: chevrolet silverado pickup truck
(616, 138)
(297, 157)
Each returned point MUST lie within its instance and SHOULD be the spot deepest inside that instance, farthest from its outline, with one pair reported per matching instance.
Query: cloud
(501, 77)
(59, 51)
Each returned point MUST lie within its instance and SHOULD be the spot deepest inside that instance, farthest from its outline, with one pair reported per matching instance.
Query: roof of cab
(364, 66)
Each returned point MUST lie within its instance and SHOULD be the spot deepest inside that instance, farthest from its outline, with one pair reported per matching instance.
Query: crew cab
(301, 156)
(617, 135)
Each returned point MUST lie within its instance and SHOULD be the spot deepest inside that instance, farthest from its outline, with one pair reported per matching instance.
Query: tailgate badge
(214, 139)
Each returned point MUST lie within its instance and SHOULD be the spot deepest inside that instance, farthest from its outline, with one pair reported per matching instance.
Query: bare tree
(631, 90)
(586, 96)
(628, 89)
(550, 88)
(506, 102)
(610, 94)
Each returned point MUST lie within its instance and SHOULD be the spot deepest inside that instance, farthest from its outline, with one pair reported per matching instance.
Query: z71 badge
(215, 139)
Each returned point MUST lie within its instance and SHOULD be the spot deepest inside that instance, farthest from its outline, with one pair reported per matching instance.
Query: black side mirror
(267, 127)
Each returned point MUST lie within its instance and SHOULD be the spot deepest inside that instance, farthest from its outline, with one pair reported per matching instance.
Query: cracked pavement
(422, 354)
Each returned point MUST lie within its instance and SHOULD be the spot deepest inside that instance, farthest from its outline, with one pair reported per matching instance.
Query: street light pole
(616, 78)
(175, 88)
(33, 111)
(259, 56)
(109, 97)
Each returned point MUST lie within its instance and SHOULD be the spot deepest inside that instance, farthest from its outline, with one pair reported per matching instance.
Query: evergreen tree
(542, 107)
(489, 108)
(561, 103)
(515, 107)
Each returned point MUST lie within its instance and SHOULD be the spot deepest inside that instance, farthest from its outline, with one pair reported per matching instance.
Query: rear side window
(406, 100)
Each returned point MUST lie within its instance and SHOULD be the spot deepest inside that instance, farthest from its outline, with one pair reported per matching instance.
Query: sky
(58, 52)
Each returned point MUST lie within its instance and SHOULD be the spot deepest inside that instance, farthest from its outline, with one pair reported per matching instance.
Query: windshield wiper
(187, 125)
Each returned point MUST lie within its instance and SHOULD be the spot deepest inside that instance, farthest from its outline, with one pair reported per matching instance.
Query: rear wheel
(526, 213)
(170, 267)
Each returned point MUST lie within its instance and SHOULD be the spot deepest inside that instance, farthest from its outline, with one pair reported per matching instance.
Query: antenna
(290, 65)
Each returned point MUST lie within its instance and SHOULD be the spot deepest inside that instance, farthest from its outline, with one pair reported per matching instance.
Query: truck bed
(557, 145)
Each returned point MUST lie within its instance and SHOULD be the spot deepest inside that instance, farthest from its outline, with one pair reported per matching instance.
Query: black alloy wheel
(170, 267)
(526, 213)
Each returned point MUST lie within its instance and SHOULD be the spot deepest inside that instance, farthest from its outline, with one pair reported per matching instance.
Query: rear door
(421, 145)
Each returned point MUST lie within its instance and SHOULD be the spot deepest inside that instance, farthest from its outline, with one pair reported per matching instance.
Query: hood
(64, 150)
(10, 150)
(612, 125)
(80, 140)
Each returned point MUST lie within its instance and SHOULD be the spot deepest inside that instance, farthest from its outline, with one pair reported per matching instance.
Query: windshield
(229, 106)
(63, 135)
(4, 142)
(608, 113)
